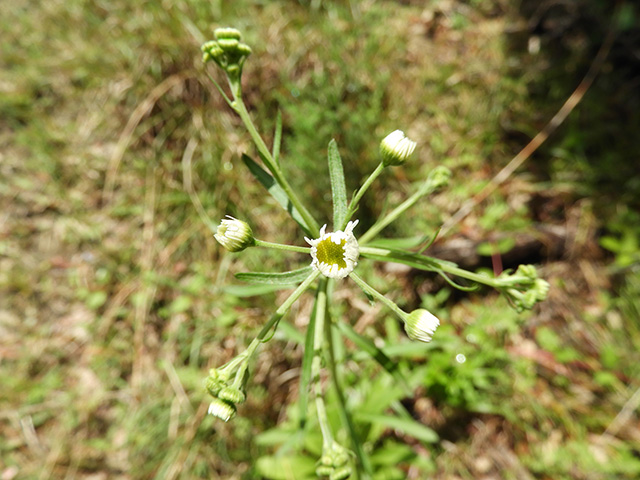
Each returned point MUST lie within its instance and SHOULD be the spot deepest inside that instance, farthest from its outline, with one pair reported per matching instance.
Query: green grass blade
(338, 187)
(276, 191)
(281, 278)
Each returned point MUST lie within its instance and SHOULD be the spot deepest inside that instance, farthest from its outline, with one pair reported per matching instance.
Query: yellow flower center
(331, 253)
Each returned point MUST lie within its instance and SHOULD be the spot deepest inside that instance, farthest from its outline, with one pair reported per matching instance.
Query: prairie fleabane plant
(333, 256)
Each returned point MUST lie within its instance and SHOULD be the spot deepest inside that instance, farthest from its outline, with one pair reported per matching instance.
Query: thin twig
(624, 414)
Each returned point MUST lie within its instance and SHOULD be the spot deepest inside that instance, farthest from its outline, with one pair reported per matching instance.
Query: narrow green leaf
(277, 138)
(406, 426)
(338, 188)
(280, 278)
(276, 191)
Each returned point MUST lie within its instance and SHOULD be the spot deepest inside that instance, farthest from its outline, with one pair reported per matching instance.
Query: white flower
(396, 148)
(234, 235)
(335, 255)
(222, 409)
(421, 325)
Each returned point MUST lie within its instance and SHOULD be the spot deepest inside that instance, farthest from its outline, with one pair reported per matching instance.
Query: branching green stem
(376, 294)
(424, 262)
(242, 359)
(362, 457)
(392, 216)
(284, 308)
(358, 196)
(273, 166)
(316, 364)
(280, 246)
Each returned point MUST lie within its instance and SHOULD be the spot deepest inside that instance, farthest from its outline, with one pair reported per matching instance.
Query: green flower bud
(541, 288)
(438, 177)
(213, 386)
(243, 49)
(324, 471)
(228, 44)
(232, 395)
(396, 148)
(227, 33)
(341, 473)
(234, 235)
(421, 325)
(221, 409)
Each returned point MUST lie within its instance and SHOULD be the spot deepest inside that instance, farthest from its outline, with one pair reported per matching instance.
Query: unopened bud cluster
(225, 396)
(334, 462)
(524, 288)
(227, 50)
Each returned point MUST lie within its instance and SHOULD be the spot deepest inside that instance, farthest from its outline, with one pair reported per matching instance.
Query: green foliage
(112, 307)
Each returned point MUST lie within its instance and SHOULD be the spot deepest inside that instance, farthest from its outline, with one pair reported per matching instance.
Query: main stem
(363, 459)
(316, 363)
(395, 213)
(286, 305)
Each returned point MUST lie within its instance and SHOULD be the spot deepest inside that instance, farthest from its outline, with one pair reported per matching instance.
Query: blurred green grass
(112, 293)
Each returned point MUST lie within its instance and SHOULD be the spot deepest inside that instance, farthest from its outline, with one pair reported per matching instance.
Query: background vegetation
(115, 299)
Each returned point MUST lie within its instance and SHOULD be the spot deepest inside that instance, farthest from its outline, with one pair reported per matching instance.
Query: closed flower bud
(227, 33)
(232, 395)
(396, 148)
(234, 235)
(228, 43)
(324, 470)
(421, 325)
(214, 386)
(542, 289)
(341, 473)
(221, 409)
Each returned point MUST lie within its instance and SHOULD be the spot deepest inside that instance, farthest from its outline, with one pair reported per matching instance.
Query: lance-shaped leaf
(338, 188)
(276, 192)
(280, 278)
